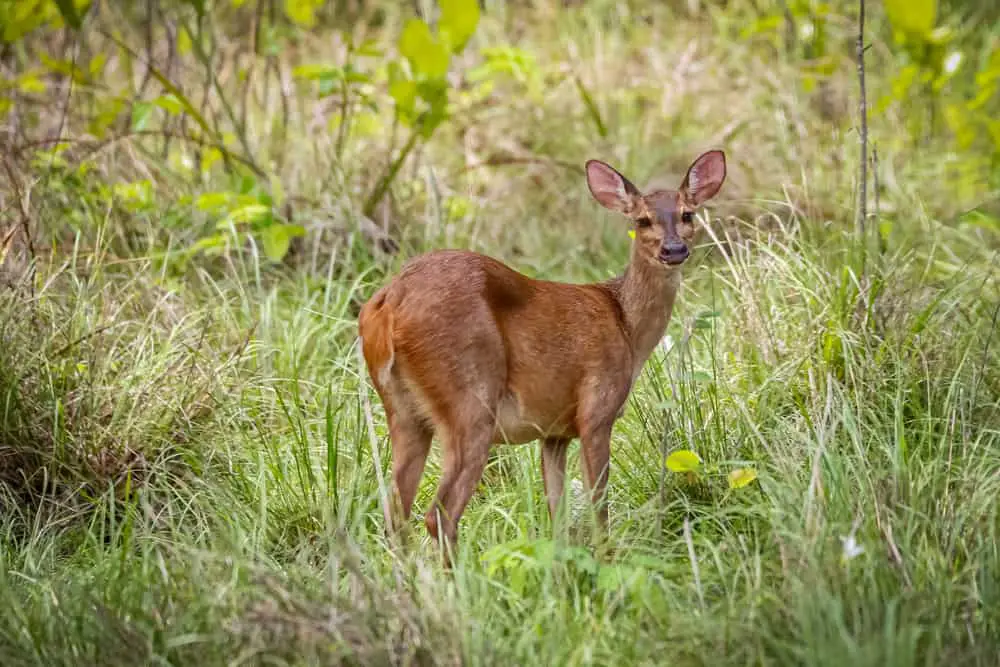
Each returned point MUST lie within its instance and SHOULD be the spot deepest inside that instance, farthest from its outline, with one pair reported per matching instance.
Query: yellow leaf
(458, 22)
(741, 477)
(183, 42)
(30, 83)
(683, 460)
(426, 55)
(913, 17)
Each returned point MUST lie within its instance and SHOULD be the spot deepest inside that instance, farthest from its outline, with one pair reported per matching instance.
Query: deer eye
(687, 216)
(644, 221)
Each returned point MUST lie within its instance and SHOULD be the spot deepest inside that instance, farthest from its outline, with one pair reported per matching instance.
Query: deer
(460, 346)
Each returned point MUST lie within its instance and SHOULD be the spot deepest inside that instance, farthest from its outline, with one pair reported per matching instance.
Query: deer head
(664, 219)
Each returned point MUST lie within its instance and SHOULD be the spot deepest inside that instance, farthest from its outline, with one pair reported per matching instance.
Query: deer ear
(611, 189)
(704, 177)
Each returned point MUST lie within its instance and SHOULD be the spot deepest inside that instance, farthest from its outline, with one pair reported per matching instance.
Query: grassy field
(188, 442)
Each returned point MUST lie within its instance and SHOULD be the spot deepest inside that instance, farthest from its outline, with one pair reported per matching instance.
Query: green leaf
(244, 214)
(211, 201)
(140, 115)
(403, 91)
(427, 56)
(210, 245)
(277, 239)
(914, 18)
(317, 72)
(30, 83)
(302, 12)
(169, 103)
(352, 75)
(741, 477)
(67, 9)
(458, 22)
(683, 460)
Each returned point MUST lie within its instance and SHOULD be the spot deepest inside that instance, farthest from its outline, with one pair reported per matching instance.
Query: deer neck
(646, 294)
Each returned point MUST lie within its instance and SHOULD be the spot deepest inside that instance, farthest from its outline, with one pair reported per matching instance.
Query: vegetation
(197, 196)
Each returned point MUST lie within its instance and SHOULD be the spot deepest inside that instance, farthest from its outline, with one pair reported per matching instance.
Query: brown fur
(462, 346)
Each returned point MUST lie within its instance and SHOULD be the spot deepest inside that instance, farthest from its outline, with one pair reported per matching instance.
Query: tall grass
(187, 472)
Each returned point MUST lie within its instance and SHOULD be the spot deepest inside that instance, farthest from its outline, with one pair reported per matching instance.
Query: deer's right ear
(611, 189)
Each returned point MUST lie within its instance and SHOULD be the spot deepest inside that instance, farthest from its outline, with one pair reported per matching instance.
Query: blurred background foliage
(263, 114)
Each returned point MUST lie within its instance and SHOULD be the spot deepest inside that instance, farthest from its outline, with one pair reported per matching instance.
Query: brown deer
(462, 346)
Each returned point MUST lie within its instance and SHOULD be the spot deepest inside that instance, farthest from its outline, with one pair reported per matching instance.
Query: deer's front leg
(598, 411)
(595, 458)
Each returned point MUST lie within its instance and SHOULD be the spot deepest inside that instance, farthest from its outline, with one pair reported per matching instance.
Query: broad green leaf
(427, 56)
(914, 18)
(169, 103)
(134, 194)
(96, 65)
(458, 22)
(683, 460)
(432, 120)
(209, 158)
(277, 239)
(741, 477)
(211, 201)
(69, 13)
(404, 93)
(302, 12)
(767, 24)
(403, 90)
(354, 76)
(434, 92)
(21, 17)
(244, 214)
(140, 115)
(316, 72)
(210, 245)
(183, 42)
(30, 83)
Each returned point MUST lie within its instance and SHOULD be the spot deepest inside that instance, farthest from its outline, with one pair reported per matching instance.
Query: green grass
(186, 467)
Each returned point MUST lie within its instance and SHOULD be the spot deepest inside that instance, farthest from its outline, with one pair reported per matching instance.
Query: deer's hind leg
(466, 450)
(411, 442)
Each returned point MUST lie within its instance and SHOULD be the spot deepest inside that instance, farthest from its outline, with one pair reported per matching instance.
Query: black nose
(673, 252)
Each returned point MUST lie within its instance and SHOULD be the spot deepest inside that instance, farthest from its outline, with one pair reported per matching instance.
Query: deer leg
(596, 456)
(411, 442)
(466, 452)
(554, 471)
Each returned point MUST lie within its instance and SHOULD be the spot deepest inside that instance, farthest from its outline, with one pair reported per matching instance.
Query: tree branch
(862, 213)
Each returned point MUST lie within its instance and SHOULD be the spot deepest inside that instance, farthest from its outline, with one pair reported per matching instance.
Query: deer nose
(673, 252)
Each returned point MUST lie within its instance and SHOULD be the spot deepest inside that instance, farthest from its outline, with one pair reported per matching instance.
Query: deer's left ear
(704, 177)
